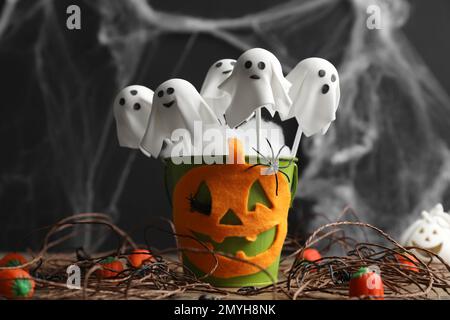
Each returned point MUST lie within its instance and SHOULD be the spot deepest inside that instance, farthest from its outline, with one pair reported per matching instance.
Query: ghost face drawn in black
(323, 74)
(225, 66)
(255, 68)
(130, 98)
(167, 98)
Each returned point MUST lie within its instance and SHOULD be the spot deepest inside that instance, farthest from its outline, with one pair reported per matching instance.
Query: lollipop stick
(297, 139)
(258, 129)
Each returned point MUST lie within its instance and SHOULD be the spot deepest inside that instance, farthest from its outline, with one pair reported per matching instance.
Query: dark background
(59, 149)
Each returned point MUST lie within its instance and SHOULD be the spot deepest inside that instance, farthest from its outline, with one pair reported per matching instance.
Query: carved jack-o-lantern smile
(231, 209)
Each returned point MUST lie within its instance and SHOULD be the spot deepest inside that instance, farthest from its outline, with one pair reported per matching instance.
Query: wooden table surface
(49, 293)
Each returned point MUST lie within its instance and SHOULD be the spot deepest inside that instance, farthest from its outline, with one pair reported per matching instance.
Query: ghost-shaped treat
(132, 108)
(176, 105)
(256, 81)
(315, 95)
(431, 232)
(217, 99)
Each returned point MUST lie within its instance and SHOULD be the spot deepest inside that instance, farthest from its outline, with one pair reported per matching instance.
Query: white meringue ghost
(256, 81)
(431, 232)
(315, 95)
(132, 108)
(217, 99)
(176, 105)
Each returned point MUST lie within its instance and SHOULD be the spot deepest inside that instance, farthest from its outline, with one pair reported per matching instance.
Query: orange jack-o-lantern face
(231, 209)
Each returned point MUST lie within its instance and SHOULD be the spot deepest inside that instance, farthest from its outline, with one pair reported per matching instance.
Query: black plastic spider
(273, 164)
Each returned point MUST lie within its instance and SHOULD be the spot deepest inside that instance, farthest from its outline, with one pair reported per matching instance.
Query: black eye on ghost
(218, 64)
(136, 106)
(169, 91)
(322, 74)
(261, 65)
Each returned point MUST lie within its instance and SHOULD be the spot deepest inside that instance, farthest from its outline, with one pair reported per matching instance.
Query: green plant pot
(174, 172)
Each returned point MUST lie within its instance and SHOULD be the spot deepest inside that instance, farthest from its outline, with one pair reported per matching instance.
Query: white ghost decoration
(217, 99)
(176, 105)
(256, 81)
(431, 232)
(315, 95)
(132, 108)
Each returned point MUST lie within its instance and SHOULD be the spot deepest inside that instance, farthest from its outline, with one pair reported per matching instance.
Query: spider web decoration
(387, 154)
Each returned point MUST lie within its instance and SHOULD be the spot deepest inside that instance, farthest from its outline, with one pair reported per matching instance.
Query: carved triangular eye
(201, 201)
(257, 195)
(230, 218)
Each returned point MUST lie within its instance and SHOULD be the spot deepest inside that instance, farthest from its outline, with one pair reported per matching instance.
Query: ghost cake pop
(176, 105)
(217, 99)
(132, 108)
(430, 232)
(315, 95)
(256, 81)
